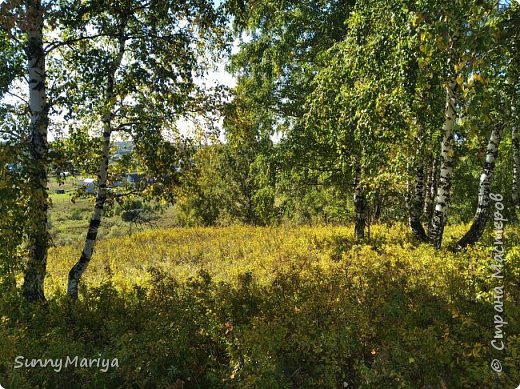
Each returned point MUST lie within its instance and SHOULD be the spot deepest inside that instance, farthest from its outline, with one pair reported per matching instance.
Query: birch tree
(418, 196)
(442, 197)
(433, 179)
(24, 22)
(144, 57)
(464, 44)
(491, 102)
(38, 238)
(370, 111)
(483, 208)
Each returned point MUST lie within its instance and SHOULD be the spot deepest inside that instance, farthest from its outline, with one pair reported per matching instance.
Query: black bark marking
(482, 213)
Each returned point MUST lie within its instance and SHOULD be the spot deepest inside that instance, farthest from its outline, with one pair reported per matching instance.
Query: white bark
(110, 101)
(442, 198)
(486, 177)
(33, 287)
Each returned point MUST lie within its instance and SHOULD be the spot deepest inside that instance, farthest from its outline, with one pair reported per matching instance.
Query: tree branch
(55, 45)
(124, 126)
(19, 97)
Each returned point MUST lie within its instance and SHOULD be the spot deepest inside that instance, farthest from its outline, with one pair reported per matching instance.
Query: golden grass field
(274, 307)
(226, 252)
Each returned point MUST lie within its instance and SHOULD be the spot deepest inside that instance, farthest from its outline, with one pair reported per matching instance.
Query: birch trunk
(417, 202)
(482, 213)
(442, 198)
(110, 98)
(431, 188)
(516, 167)
(360, 204)
(428, 171)
(38, 238)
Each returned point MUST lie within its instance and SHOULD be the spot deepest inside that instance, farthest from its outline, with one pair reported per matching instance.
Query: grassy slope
(265, 251)
(69, 221)
(223, 252)
(273, 307)
(410, 315)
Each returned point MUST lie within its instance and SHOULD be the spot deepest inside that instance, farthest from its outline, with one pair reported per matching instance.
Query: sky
(186, 127)
(213, 78)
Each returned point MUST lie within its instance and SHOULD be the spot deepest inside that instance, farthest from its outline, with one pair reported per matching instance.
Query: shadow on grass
(305, 330)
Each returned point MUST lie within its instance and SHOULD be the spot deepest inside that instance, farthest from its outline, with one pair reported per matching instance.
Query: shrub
(244, 307)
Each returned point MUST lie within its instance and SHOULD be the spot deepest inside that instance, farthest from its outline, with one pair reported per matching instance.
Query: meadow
(68, 220)
(270, 307)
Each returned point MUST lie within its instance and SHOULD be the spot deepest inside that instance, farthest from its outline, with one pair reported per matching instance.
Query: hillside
(276, 307)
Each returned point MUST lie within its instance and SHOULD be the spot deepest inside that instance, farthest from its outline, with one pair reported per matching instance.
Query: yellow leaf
(460, 65)
(423, 62)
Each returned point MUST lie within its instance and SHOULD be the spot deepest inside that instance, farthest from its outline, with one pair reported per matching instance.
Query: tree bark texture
(415, 206)
(110, 99)
(442, 198)
(38, 236)
(482, 214)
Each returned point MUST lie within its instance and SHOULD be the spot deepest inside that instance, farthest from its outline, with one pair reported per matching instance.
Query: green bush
(244, 307)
